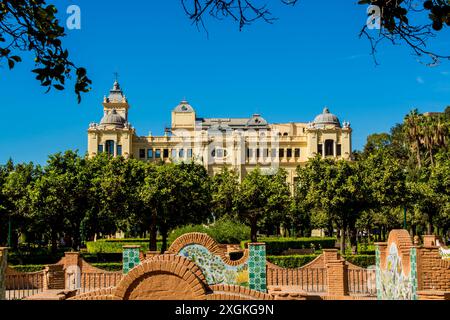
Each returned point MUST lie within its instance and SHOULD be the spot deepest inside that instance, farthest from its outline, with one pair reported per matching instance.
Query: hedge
(224, 231)
(276, 246)
(361, 260)
(109, 266)
(116, 246)
(102, 257)
(28, 267)
(292, 261)
(296, 261)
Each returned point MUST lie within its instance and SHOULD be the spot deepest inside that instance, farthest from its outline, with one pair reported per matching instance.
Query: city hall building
(241, 144)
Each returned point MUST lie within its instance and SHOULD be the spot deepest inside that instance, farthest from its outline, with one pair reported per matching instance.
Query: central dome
(326, 119)
(113, 118)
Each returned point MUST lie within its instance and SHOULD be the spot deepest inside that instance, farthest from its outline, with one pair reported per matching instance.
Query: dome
(326, 119)
(257, 120)
(113, 118)
(184, 106)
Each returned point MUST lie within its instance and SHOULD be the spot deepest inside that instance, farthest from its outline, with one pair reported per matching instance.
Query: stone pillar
(337, 278)
(3, 263)
(130, 255)
(257, 266)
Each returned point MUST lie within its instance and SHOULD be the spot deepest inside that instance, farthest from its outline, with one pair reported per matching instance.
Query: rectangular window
(338, 150)
(100, 148)
(141, 153)
(149, 153)
(297, 153)
(274, 153)
(189, 153)
(258, 153)
(289, 153)
(109, 145)
(319, 149)
(266, 153)
(174, 153)
(119, 150)
(158, 153)
(165, 153)
(281, 153)
(181, 153)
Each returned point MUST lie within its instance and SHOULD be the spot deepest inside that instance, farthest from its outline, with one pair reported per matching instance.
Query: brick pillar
(72, 268)
(3, 263)
(257, 266)
(429, 241)
(337, 278)
(130, 255)
(330, 255)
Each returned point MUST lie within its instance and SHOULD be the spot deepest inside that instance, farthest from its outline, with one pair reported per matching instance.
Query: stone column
(130, 255)
(337, 278)
(3, 263)
(257, 266)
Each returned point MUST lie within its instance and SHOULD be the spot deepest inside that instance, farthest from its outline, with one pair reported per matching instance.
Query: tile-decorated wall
(445, 253)
(3, 263)
(392, 282)
(130, 255)
(216, 271)
(257, 266)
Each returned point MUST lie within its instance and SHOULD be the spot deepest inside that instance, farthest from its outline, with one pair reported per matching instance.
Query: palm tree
(412, 127)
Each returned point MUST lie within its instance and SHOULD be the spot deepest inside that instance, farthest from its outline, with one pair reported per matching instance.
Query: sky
(309, 58)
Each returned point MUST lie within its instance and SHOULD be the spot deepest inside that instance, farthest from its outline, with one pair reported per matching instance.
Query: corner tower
(114, 134)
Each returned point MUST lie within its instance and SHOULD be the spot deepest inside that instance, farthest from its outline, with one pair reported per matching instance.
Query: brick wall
(433, 271)
(3, 263)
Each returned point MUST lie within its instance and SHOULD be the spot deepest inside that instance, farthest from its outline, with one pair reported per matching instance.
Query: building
(238, 143)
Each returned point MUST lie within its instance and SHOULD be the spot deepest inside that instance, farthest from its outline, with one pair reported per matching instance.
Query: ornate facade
(238, 143)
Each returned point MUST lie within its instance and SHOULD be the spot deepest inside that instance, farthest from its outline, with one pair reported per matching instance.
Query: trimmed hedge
(224, 231)
(293, 261)
(275, 246)
(361, 260)
(109, 266)
(102, 257)
(116, 245)
(28, 267)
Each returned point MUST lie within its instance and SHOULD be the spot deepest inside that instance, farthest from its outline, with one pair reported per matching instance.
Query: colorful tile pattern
(130, 255)
(378, 272)
(213, 267)
(257, 266)
(392, 282)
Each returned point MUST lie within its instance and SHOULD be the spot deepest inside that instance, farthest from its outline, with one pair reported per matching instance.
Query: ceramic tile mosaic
(130, 255)
(257, 267)
(378, 272)
(216, 271)
(392, 282)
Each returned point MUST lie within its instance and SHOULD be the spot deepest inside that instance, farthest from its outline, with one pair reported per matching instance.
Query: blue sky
(288, 71)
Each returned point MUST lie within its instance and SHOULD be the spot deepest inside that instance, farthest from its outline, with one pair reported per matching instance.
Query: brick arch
(404, 244)
(206, 241)
(163, 277)
(234, 292)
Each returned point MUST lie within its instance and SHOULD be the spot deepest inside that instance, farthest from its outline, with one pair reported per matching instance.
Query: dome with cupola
(184, 106)
(113, 118)
(326, 119)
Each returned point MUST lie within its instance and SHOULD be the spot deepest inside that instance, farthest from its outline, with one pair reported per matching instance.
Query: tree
(261, 197)
(224, 187)
(15, 192)
(32, 25)
(176, 195)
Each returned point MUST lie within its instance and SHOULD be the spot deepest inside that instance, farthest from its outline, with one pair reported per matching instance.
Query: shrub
(275, 246)
(225, 231)
(102, 257)
(361, 260)
(116, 246)
(109, 266)
(28, 267)
(293, 261)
